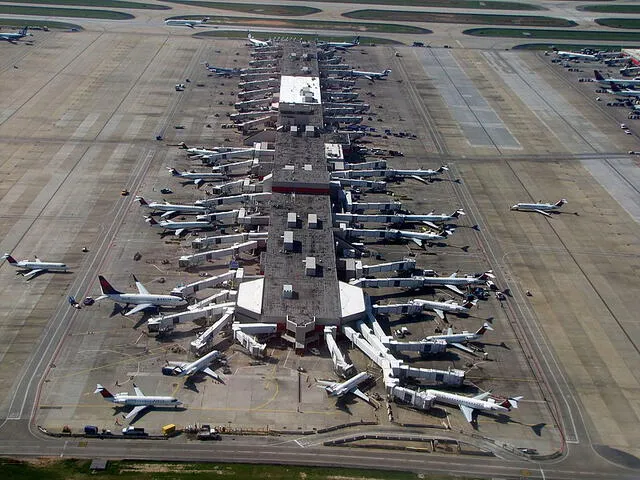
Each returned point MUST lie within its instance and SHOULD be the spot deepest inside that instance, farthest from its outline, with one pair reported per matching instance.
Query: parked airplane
(170, 209)
(433, 218)
(142, 300)
(341, 45)
(176, 22)
(422, 238)
(184, 369)
(335, 389)
(196, 150)
(222, 70)
(575, 55)
(430, 173)
(446, 307)
(258, 43)
(370, 75)
(468, 404)
(452, 282)
(542, 208)
(179, 227)
(458, 339)
(622, 92)
(14, 37)
(620, 82)
(198, 177)
(36, 267)
(139, 401)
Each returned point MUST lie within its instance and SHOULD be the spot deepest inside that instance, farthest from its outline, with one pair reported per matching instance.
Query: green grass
(610, 8)
(260, 9)
(364, 41)
(467, 4)
(79, 469)
(19, 23)
(95, 3)
(459, 18)
(316, 25)
(619, 22)
(587, 35)
(64, 12)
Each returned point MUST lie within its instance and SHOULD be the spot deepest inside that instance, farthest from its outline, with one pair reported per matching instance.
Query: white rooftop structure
(299, 90)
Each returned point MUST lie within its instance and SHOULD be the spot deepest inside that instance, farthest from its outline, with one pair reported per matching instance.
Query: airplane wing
(358, 393)
(439, 312)
(430, 224)
(368, 77)
(460, 346)
(139, 308)
(417, 241)
(325, 383)
(482, 396)
(135, 411)
(542, 212)
(455, 289)
(212, 374)
(138, 391)
(467, 412)
(168, 214)
(141, 288)
(33, 273)
(179, 232)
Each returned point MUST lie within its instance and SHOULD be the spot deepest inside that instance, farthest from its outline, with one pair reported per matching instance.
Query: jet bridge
(391, 219)
(244, 166)
(375, 186)
(214, 158)
(244, 116)
(189, 290)
(247, 197)
(222, 296)
(357, 269)
(338, 96)
(249, 124)
(251, 77)
(198, 258)
(205, 338)
(250, 104)
(340, 365)
(383, 173)
(255, 348)
(203, 242)
(332, 120)
(259, 84)
(419, 400)
(253, 94)
(378, 164)
(382, 207)
(327, 82)
(166, 323)
(389, 234)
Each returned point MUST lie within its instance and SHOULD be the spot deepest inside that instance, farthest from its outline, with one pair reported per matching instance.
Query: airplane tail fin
(386, 72)
(356, 40)
(470, 303)
(598, 75)
(106, 287)
(141, 200)
(443, 168)
(561, 202)
(483, 329)
(173, 171)
(151, 221)
(205, 19)
(487, 275)
(103, 391)
(511, 402)
(24, 31)
(10, 259)
(457, 213)
(183, 145)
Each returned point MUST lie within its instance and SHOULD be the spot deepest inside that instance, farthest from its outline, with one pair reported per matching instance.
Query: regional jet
(196, 150)
(170, 209)
(453, 282)
(468, 404)
(575, 55)
(446, 307)
(198, 177)
(222, 70)
(335, 389)
(14, 37)
(370, 75)
(341, 45)
(458, 339)
(142, 300)
(139, 401)
(31, 269)
(622, 92)
(620, 82)
(178, 227)
(184, 369)
(176, 22)
(542, 208)
(433, 219)
(258, 43)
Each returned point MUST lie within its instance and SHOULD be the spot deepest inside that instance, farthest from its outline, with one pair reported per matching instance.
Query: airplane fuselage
(50, 266)
(140, 299)
(198, 365)
(536, 206)
(457, 400)
(344, 387)
(455, 338)
(138, 401)
(458, 281)
(179, 225)
(445, 307)
(171, 207)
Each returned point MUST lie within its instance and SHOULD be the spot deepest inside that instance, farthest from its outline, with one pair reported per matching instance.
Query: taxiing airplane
(34, 268)
(139, 401)
(458, 339)
(453, 282)
(198, 177)
(142, 300)
(370, 75)
(468, 404)
(336, 389)
(176, 22)
(222, 70)
(178, 227)
(341, 45)
(184, 369)
(446, 307)
(170, 209)
(542, 208)
(14, 37)
(258, 43)
(620, 82)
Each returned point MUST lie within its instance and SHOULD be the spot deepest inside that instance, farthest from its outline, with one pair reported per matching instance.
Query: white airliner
(222, 70)
(196, 150)
(371, 75)
(576, 55)
(446, 307)
(184, 369)
(258, 43)
(142, 300)
(36, 267)
(185, 23)
(621, 82)
(341, 45)
(139, 401)
(198, 177)
(542, 208)
(14, 37)
(433, 219)
(430, 173)
(622, 92)
(458, 339)
(468, 404)
(178, 227)
(452, 282)
(335, 389)
(428, 238)
(170, 209)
